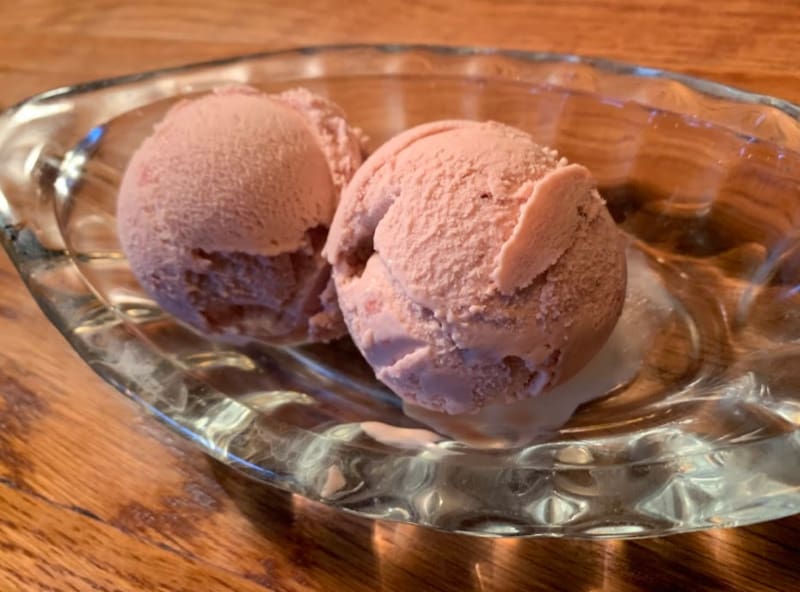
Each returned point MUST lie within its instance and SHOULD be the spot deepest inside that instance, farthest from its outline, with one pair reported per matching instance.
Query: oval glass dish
(700, 431)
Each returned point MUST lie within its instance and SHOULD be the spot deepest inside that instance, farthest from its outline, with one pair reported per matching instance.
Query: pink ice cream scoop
(474, 266)
(223, 211)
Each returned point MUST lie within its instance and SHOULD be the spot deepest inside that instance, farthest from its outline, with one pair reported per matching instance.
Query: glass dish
(705, 180)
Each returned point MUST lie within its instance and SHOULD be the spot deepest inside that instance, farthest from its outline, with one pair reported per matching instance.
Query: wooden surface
(96, 496)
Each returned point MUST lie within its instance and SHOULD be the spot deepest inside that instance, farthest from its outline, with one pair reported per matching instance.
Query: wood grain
(45, 43)
(32, 528)
(96, 496)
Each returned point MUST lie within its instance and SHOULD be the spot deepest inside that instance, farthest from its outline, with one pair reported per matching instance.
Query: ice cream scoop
(474, 266)
(223, 210)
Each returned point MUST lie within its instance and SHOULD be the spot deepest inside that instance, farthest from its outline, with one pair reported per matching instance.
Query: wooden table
(96, 496)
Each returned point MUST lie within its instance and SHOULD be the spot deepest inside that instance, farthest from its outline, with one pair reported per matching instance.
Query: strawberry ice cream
(474, 266)
(222, 213)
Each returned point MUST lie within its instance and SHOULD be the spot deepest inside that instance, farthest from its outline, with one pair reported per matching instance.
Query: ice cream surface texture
(223, 210)
(474, 266)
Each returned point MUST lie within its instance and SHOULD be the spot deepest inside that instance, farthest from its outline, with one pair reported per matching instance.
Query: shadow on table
(327, 547)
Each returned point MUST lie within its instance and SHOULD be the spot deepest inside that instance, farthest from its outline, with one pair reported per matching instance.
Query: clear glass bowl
(705, 179)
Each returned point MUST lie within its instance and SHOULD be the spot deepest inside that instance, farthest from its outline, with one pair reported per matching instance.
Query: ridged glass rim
(708, 87)
(704, 87)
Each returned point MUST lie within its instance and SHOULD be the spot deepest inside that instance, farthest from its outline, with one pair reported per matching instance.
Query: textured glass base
(687, 419)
